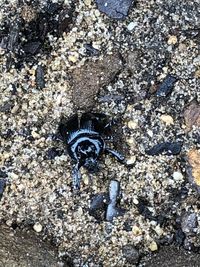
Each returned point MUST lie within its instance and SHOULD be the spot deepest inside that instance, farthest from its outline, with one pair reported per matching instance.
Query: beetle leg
(116, 154)
(76, 176)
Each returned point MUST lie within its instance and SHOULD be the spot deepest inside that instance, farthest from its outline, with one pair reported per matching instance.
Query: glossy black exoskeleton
(85, 140)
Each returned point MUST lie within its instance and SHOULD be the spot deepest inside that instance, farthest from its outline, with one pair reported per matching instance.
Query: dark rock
(166, 240)
(166, 86)
(178, 194)
(31, 47)
(90, 50)
(2, 186)
(88, 79)
(13, 36)
(128, 225)
(109, 98)
(60, 214)
(6, 107)
(65, 19)
(143, 208)
(189, 223)
(52, 8)
(3, 174)
(115, 9)
(131, 254)
(53, 152)
(7, 134)
(40, 81)
(179, 237)
(167, 148)
(98, 206)
(190, 246)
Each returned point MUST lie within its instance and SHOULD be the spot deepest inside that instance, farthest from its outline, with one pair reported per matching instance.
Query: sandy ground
(156, 39)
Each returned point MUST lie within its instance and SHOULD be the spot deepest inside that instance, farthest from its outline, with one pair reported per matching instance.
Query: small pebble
(167, 148)
(158, 230)
(2, 186)
(131, 141)
(52, 153)
(88, 2)
(192, 115)
(136, 230)
(131, 160)
(172, 40)
(166, 86)
(132, 124)
(153, 246)
(85, 179)
(114, 9)
(131, 26)
(178, 176)
(150, 133)
(131, 254)
(37, 227)
(98, 206)
(39, 77)
(135, 201)
(35, 135)
(197, 74)
(167, 119)
(189, 223)
(90, 50)
(73, 58)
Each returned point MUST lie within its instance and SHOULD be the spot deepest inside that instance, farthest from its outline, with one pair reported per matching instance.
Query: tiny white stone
(131, 160)
(131, 141)
(132, 124)
(177, 176)
(37, 227)
(167, 119)
(153, 246)
(131, 25)
(172, 40)
(150, 133)
(135, 201)
(87, 2)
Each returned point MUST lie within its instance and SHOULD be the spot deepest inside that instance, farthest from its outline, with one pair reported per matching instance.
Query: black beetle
(85, 139)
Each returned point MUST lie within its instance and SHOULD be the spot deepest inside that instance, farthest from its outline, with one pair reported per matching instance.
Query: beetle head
(88, 155)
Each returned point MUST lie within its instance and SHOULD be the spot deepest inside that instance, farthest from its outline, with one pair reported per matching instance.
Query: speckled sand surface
(161, 40)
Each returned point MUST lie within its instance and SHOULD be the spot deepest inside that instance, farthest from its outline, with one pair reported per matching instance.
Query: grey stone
(116, 9)
(40, 81)
(131, 254)
(189, 223)
(2, 186)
